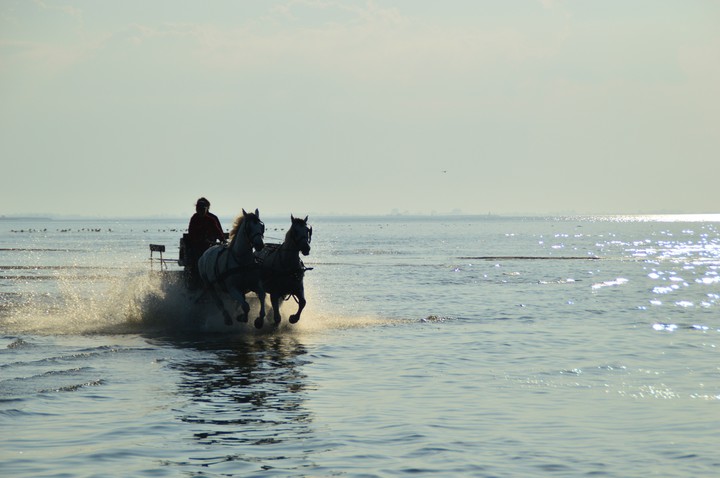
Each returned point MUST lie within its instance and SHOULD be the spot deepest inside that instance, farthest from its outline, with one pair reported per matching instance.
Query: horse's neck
(287, 256)
(281, 258)
(241, 250)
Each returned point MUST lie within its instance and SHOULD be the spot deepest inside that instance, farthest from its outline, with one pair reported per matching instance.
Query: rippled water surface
(438, 346)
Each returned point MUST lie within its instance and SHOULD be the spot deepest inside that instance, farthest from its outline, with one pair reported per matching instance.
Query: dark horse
(282, 271)
(233, 269)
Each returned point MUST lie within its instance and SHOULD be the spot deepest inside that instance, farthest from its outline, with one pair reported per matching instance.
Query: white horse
(233, 269)
(282, 271)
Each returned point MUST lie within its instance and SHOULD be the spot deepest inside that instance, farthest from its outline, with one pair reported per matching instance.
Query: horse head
(254, 229)
(300, 234)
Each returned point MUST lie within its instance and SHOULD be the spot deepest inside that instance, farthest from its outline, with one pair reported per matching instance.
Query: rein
(290, 245)
(242, 266)
(260, 233)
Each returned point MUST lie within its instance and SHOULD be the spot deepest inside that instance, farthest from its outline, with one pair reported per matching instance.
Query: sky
(137, 108)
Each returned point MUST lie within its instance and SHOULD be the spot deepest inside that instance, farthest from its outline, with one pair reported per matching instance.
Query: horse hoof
(242, 318)
(258, 323)
(294, 319)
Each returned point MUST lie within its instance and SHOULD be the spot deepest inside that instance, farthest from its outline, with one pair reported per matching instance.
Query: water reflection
(244, 391)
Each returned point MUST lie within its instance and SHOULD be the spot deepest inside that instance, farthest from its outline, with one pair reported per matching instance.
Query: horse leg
(261, 316)
(301, 305)
(239, 296)
(246, 310)
(218, 301)
(275, 302)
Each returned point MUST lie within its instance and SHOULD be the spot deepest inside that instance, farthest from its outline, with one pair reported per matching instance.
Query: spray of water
(142, 302)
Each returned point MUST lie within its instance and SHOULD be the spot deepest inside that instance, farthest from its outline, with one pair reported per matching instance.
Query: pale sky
(138, 107)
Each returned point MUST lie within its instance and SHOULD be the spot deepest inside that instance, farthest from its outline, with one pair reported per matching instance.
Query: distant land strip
(529, 258)
(34, 249)
(50, 268)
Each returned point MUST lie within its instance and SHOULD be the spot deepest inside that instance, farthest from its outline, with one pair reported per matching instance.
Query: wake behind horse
(282, 271)
(233, 269)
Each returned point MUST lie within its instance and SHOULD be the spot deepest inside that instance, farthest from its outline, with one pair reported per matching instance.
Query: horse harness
(252, 264)
(282, 278)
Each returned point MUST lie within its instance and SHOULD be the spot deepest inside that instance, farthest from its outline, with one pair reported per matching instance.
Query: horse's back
(279, 277)
(267, 252)
(207, 265)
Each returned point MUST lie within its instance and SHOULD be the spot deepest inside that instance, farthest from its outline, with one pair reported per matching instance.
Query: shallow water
(433, 347)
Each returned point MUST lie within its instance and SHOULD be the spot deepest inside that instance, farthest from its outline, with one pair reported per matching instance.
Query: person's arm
(218, 228)
(193, 228)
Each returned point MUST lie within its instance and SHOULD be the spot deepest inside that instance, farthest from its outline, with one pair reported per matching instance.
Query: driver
(203, 231)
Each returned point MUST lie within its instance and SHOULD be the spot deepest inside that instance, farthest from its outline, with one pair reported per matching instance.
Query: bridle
(250, 238)
(260, 233)
(298, 238)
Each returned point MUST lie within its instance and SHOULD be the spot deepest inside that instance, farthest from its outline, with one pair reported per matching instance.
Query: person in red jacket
(204, 231)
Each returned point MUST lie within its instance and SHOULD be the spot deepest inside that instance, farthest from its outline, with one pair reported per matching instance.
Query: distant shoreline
(655, 217)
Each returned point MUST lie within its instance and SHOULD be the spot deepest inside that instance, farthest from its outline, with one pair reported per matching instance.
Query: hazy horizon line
(713, 216)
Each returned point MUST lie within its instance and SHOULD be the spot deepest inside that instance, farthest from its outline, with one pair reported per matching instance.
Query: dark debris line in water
(529, 258)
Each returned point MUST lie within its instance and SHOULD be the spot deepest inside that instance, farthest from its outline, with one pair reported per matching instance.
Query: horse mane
(236, 226)
(239, 221)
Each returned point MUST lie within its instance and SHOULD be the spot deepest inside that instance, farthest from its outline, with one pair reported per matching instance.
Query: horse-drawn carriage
(247, 264)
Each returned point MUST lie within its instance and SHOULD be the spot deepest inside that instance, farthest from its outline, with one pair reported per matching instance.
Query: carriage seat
(160, 248)
(182, 257)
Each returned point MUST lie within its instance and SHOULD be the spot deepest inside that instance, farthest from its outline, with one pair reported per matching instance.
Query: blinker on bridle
(261, 233)
(298, 237)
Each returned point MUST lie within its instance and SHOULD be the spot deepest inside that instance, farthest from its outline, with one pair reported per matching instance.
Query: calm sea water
(488, 347)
